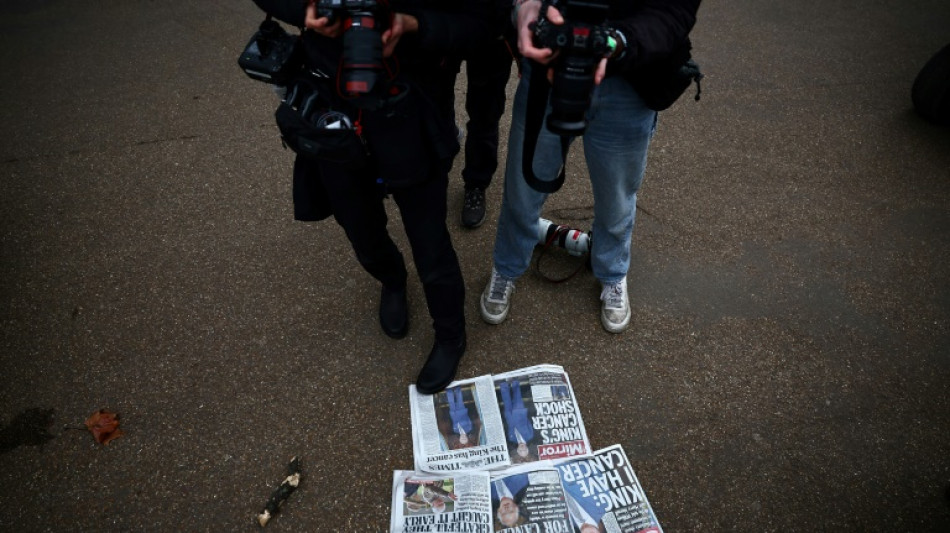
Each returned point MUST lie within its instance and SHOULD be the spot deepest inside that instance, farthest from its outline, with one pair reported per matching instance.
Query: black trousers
(357, 203)
(487, 71)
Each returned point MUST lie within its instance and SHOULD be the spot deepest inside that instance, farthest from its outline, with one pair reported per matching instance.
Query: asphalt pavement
(787, 366)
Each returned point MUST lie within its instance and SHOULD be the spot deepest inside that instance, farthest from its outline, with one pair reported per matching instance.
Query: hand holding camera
(363, 25)
(573, 37)
(321, 23)
(528, 13)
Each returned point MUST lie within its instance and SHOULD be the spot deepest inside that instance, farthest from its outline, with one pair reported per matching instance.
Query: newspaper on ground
(491, 422)
(430, 503)
(540, 413)
(458, 429)
(529, 498)
(603, 494)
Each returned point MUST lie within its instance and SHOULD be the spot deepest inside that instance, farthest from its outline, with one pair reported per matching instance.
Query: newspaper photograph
(458, 429)
(529, 499)
(425, 503)
(541, 417)
(603, 494)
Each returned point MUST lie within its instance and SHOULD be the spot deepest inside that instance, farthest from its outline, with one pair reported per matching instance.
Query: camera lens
(362, 53)
(570, 95)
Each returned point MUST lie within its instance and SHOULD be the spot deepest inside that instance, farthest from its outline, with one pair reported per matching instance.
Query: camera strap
(538, 93)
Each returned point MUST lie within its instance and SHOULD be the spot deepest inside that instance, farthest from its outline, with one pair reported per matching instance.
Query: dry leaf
(104, 426)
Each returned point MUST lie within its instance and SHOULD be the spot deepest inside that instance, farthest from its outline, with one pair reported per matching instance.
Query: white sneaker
(496, 299)
(615, 312)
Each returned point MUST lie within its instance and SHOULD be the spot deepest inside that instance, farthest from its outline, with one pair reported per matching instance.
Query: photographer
(410, 147)
(619, 127)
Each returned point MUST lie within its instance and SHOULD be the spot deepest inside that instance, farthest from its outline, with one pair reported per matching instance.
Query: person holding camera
(631, 38)
(377, 67)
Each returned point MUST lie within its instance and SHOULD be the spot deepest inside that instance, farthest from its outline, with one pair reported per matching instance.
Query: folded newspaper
(603, 494)
(425, 503)
(529, 499)
(598, 493)
(491, 422)
(508, 453)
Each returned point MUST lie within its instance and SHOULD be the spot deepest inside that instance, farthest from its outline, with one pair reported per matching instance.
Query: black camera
(582, 41)
(364, 22)
(272, 55)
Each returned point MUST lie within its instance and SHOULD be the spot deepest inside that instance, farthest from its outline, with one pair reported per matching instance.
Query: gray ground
(787, 366)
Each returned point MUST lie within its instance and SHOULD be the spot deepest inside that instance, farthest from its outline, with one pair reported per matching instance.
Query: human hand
(528, 12)
(401, 24)
(320, 24)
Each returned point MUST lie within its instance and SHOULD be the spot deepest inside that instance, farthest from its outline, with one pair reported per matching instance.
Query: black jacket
(654, 30)
(448, 31)
(406, 137)
(656, 33)
(658, 45)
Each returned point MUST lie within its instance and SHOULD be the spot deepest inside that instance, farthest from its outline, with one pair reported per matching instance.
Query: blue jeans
(615, 145)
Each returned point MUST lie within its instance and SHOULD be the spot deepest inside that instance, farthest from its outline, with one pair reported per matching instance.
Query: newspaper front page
(529, 499)
(540, 413)
(603, 494)
(458, 429)
(457, 503)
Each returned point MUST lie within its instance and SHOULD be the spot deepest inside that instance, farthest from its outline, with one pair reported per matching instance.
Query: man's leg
(357, 206)
(358, 209)
(616, 145)
(521, 205)
(423, 210)
(487, 79)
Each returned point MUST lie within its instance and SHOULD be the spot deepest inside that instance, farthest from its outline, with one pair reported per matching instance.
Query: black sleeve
(292, 12)
(656, 29)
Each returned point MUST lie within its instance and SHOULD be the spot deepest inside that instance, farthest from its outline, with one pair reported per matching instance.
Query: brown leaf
(104, 426)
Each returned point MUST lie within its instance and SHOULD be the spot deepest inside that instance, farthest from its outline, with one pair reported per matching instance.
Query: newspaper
(508, 453)
(458, 429)
(529, 499)
(491, 422)
(604, 495)
(425, 503)
(541, 416)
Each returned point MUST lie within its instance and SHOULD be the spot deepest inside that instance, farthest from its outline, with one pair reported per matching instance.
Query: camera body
(582, 42)
(364, 22)
(272, 55)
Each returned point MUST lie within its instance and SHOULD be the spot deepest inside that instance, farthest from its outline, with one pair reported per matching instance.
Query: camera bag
(298, 119)
(661, 84)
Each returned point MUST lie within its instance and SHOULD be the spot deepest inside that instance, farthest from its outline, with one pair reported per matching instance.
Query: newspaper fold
(425, 503)
(603, 494)
(491, 422)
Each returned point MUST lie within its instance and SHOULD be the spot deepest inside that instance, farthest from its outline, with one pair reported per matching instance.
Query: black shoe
(440, 368)
(394, 313)
(473, 208)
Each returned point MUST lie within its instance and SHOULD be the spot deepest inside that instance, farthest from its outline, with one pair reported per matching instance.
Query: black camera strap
(538, 94)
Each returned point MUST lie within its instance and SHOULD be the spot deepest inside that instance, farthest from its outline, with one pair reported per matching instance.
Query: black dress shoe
(394, 313)
(440, 368)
